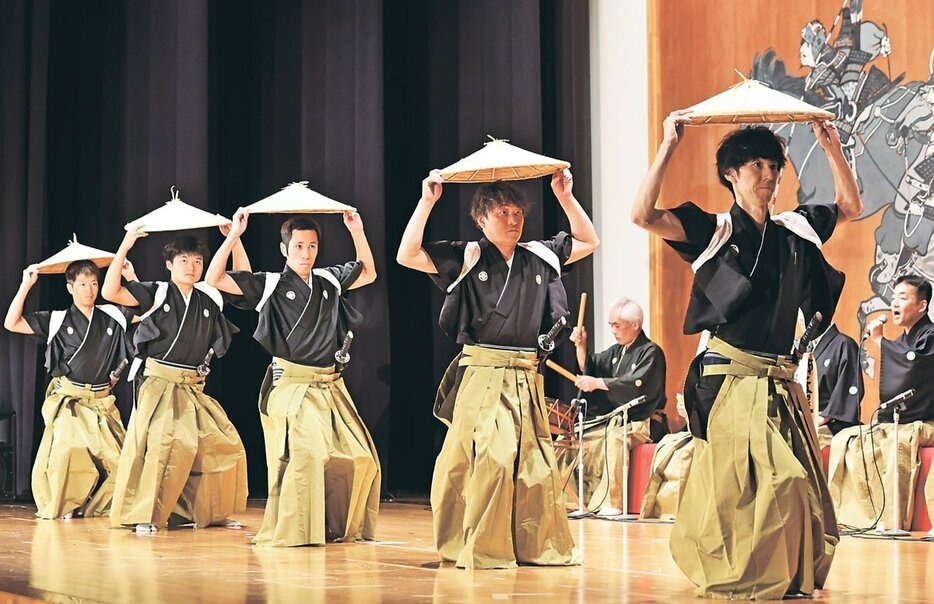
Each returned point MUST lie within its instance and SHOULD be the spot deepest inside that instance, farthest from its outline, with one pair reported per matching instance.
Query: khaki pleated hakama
(324, 474)
(78, 454)
(858, 455)
(182, 455)
(496, 493)
(603, 463)
(755, 521)
(671, 464)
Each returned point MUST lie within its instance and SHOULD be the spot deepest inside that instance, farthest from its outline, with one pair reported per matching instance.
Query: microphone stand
(625, 508)
(581, 404)
(896, 530)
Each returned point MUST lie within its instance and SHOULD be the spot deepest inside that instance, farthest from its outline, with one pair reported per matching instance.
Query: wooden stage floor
(87, 561)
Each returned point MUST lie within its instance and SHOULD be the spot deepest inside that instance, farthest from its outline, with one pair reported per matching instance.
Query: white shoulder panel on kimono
(539, 249)
(799, 225)
(272, 280)
(471, 258)
(211, 292)
(162, 291)
(329, 277)
(114, 314)
(55, 323)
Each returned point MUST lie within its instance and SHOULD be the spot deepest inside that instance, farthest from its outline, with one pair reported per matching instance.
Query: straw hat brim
(751, 102)
(58, 262)
(177, 215)
(498, 160)
(297, 198)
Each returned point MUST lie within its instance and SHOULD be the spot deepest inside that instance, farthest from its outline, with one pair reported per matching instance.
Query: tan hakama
(79, 451)
(671, 464)
(603, 463)
(182, 455)
(824, 436)
(324, 475)
(756, 520)
(496, 492)
(855, 486)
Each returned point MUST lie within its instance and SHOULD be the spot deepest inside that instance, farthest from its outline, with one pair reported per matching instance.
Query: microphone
(547, 341)
(622, 408)
(808, 334)
(342, 356)
(205, 367)
(115, 374)
(898, 399)
(880, 320)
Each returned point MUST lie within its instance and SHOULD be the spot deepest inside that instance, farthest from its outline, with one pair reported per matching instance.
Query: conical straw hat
(498, 160)
(752, 102)
(297, 198)
(57, 263)
(176, 215)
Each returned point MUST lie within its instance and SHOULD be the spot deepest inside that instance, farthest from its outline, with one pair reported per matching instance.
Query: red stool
(640, 466)
(921, 520)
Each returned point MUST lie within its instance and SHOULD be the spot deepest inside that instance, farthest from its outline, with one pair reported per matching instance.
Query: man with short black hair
(73, 474)
(906, 363)
(324, 473)
(183, 458)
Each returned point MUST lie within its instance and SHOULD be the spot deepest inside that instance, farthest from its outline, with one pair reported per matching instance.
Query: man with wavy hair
(756, 519)
(496, 493)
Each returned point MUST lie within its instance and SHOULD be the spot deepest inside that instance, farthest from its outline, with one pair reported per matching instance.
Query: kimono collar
(923, 324)
(293, 275)
(829, 334)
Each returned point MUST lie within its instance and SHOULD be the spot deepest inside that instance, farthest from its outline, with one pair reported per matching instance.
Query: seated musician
(839, 382)
(634, 366)
(906, 362)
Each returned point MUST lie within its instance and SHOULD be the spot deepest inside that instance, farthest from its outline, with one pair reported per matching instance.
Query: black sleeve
(561, 244)
(39, 323)
(845, 385)
(252, 286)
(346, 273)
(448, 258)
(128, 313)
(144, 292)
(821, 217)
(698, 228)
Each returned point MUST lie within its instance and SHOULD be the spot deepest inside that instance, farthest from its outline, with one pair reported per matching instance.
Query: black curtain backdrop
(106, 105)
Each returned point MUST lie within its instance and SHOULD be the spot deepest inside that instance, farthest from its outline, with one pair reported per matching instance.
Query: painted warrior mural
(887, 127)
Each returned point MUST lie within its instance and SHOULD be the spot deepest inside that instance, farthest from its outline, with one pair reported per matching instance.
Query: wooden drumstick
(582, 311)
(561, 370)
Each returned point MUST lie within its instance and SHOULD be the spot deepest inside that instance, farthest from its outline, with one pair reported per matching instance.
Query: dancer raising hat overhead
(496, 495)
(75, 466)
(755, 519)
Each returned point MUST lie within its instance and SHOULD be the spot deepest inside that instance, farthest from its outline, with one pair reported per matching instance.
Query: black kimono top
(301, 321)
(179, 331)
(839, 379)
(493, 303)
(748, 294)
(908, 362)
(628, 372)
(83, 350)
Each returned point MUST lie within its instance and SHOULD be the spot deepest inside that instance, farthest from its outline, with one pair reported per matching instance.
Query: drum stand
(581, 405)
(896, 530)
